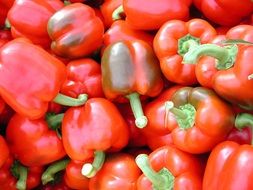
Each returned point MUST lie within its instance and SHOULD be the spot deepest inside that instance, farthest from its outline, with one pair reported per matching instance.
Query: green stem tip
(117, 13)
(89, 170)
(49, 173)
(69, 101)
(140, 119)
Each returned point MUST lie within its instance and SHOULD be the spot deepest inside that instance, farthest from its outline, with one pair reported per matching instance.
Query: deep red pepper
(89, 130)
(4, 151)
(5, 36)
(229, 167)
(130, 69)
(83, 76)
(152, 14)
(32, 142)
(120, 30)
(227, 69)
(169, 168)
(119, 172)
(4, 8)
(225, 12)
(15, 176)
(29, 19)
(173, 40)
(75, 31)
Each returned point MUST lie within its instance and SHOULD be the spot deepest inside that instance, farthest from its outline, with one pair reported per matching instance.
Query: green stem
(66, 2)
(140, 119)
(117, 13)
(69, 101)
(89, 170)
(243, 120)
(162, 180)
(177, 112)
(187, 43)
(250, 77)
(225, 55)
(54, 120)
(49, 173)
(22, 173)
(7, 24)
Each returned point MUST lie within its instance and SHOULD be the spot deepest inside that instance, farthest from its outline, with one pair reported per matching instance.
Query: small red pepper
(118, 172)
(173, 40)
(4, 8)
(229, 67)
(32, 142)
(229, 167)
(169, 168)
(4, 151)
(130, 69)
(5, 36)
(15, 176)
(107, 9)
(152, 14)
(75, 30)
(89, 130)
(29, 19)
(120, 30)
(83, 77)
(225, 12)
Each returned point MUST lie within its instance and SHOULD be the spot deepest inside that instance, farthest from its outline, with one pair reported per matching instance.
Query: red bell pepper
(130, 69)
(83, 76)
(4, 151)
(29, 19)
(75, 30)
(119, 172)
(225, 12)
(4, 8)
(32, 142)
(240, 136)
(107, 9)
(229, 66)
(42, 77)
(152, 14)
(229, 167)
(5, 36)
(173, 40)
(93, 128)
(120, 30)
(15, 176)
(73, 176)
(169, 168)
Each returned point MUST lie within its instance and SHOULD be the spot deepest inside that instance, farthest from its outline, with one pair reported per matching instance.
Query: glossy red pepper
(4, 151)
(173, 40)
(225, 12)
(169, 168)
(229, 167)
(240, 136)
(75, 31)
(107, 9)
(83, 76)
(152, 14)
(15, 176)
(228, 68)
(29, 19)
(73, 176)
(100, 127)
(4, 8)
(120, 30)
(119, 172)
(130, 69)
(32, 142)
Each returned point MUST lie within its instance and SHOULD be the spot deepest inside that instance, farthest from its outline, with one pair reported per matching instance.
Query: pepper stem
(54, 120)
(250, 77)
(89, 170)
(160, 180)
(22, 173)
(225, 55)
(185, 114)
(7, 24)
(187, 43)
(117, 13)
(140, 119)
(69, 101)
(243, 120)
(49, 173)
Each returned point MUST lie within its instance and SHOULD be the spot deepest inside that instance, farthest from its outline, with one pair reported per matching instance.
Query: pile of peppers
(126, 95)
